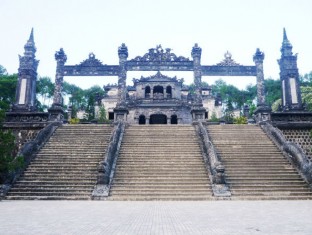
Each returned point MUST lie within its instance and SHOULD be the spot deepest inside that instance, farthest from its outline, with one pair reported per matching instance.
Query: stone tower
(291, 94)
(27, 77)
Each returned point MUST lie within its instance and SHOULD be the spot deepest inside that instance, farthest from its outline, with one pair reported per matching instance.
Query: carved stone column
(122, 76)
(196, 55)
(121, 110)
(197, 111)
(263, 111)
(56, 111)
(258, 59)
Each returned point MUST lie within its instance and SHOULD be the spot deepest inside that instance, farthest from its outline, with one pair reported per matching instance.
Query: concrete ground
(156, 217)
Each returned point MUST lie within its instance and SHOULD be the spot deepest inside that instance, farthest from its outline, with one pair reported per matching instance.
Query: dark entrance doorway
(142, 120)
(158, 119)
(174, 119)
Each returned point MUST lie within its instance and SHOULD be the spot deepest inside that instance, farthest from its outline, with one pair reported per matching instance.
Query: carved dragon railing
(106, 168)
(28, 152)
(291, 150)
(213, 163)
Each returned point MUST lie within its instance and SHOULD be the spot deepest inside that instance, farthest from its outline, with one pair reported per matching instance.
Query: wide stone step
(51, 189)
(160, 198)
(54, 197)
(60, 183)
(61, 193)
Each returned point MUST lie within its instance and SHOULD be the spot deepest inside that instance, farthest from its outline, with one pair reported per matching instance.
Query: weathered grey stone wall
(140, 89)
(183, 114)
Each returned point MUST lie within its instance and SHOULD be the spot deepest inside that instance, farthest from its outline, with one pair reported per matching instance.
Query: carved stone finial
(123, 50)
(30, 48)
(258, 56)
(196, 51)
(286, 48)
(228, 61)
(60, 56)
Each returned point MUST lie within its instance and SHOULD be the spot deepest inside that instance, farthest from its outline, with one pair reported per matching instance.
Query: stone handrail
(291, 150)
(106, 168)
(28, 152)
(213, 163)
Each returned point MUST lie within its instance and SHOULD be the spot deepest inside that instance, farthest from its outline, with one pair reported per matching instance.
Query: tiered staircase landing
(160, 162)
(254, 166)
(66, 167)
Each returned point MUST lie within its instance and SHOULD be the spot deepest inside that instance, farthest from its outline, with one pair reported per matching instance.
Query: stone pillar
(168, 120)
(121, 109)
(27, 77)
(197, 111)
(263, 111)
(289, 76)
(196, 55)
(258, 59)
(122, 76)
(56, 111)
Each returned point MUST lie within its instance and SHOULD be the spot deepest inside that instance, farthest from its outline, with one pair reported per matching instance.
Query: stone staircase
(160, 162)
(255, 168)
(66, 167)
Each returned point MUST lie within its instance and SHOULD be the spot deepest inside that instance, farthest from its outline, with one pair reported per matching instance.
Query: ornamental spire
(30, 48)
(286, 48)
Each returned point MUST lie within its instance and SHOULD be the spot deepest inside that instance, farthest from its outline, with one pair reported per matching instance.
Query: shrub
(74, 121)
(240, 120)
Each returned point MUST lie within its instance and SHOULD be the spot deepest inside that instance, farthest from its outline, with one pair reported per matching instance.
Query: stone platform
(156, 217)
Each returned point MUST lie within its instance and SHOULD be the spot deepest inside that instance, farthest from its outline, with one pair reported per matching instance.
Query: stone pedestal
(56, 113)
(292, 119)
(120, 113)
(198, 112)
(263, 113)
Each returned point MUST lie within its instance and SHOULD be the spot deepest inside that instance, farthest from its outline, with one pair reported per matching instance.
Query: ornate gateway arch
(159, 59)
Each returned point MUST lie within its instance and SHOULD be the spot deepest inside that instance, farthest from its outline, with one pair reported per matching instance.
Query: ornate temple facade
(160, 99)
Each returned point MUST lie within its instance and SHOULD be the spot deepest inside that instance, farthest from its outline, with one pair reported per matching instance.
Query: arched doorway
(174, 119)
(142, 120)
(158, 119)
(147, 92)
(169, 92)
(158, 92)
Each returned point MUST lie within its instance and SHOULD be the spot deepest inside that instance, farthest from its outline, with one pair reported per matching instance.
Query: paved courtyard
(157, 217)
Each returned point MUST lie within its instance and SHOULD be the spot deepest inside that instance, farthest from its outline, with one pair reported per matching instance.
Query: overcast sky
(100, 26)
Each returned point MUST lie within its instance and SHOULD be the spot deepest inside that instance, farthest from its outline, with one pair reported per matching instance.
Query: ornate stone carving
(91, 62)
(159, 54)
(157, 77)
(106, 167)
(60, 58)
(213, 163)
(228, 61)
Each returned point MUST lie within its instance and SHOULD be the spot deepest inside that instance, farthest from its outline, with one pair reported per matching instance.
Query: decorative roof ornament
(29, 58)
(286, 48)
(228, 61)
(158, 77)
(91, 61)
(159, 54)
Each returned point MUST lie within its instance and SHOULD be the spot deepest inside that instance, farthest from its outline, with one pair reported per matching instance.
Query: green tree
(306, 93)
(7, 93)
(45, 90)
(3, 70)
(76, 97)
(102, 115)
(90, 96)
(272, 90)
